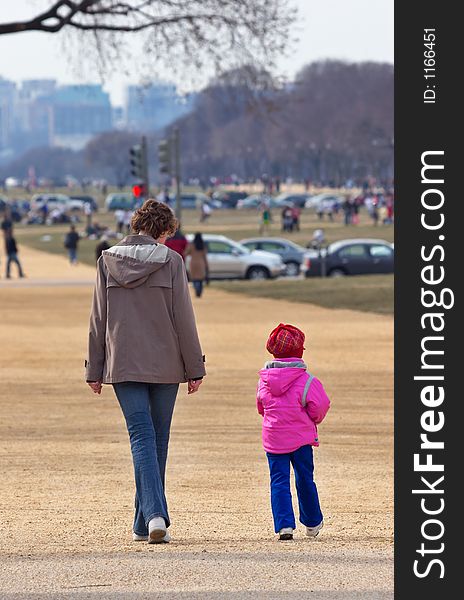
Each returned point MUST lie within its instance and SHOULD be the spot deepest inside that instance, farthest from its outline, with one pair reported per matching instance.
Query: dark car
(192, 201)
(350, 257)
(298, 200)
(120, 201)
(229, 199)
(291, 254)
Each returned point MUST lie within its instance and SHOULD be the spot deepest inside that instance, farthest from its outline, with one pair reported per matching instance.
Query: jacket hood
(280, 375)
(134, 259)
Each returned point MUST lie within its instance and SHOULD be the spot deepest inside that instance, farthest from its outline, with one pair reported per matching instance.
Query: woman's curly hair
(154, 218)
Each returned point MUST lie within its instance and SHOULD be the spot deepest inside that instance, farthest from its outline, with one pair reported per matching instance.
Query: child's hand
(193, 385)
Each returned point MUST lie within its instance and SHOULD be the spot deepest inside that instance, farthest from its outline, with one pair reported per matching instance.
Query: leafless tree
(212, 35)
(333, 123)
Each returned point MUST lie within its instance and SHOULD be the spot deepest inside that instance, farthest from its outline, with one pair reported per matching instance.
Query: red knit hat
(285, 341)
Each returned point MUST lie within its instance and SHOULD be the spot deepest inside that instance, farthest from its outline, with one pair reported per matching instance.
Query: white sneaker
(156, 530)
(314, 531)
(286, 533)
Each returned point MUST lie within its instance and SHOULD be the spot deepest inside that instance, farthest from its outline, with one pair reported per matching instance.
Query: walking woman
(198, 267)
(143, 340)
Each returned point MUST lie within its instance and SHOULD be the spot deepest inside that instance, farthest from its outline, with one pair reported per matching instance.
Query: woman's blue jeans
(198, 286)
(281, 497)
(148, 408)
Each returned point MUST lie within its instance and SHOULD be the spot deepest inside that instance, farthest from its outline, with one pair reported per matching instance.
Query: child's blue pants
(281, 497)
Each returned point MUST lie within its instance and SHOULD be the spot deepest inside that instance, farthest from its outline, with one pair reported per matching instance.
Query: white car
(52, 201)
(322, 199)
(230, 260)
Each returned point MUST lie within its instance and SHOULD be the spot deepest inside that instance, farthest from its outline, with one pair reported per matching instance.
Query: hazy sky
(345, 29)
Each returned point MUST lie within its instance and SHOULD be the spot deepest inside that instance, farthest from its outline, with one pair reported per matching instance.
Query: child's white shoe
(156, 530)
(286, 533)
(314, 531)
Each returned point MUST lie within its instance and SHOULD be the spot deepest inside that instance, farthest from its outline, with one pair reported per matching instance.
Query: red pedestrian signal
(138, 191)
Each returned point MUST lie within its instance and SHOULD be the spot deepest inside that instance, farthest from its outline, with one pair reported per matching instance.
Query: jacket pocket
(160, 279)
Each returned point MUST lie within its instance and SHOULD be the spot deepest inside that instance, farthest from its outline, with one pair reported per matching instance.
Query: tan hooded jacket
(142, 325)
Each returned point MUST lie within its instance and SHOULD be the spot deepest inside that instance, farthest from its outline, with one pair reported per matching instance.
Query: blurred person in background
(127, 219)
(198, 267)
(7, 224)
(375, 210)
(102, 245)
(296, 213)
(354, 212)
(88, 212)
(317, 240)
(11, 250)
(44, 212)
(143, 341)
(205, 212)
(389, 200)
(265, 218)
(287, 219)
(347, 207)
(119, 216)
(71, 241)
(178, 242)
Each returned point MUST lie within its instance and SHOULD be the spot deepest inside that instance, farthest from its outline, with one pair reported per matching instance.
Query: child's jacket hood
(279, 375)
(132, 261)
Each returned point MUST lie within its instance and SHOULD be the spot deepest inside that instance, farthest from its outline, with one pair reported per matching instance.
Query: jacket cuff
(91, 373)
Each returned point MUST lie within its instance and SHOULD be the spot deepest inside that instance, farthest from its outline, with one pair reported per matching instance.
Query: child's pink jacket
(290, 421)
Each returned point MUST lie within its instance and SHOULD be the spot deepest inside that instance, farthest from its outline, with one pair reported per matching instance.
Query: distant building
(39, 112)
(154, 106)
(33, 112)
(7, 99)
(79, 112)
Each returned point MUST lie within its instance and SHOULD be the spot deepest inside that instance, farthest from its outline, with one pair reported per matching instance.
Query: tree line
(333, 123)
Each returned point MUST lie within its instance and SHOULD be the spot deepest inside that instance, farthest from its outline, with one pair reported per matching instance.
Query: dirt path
(67, 486)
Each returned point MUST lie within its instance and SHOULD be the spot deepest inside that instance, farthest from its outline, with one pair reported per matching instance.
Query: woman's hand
(96, 386)
(193, 385)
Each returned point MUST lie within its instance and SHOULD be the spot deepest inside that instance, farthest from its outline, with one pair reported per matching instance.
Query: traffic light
(165, 156)
(137, 161)
(138, 190)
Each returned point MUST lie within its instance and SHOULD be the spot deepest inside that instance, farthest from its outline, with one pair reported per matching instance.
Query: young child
(292, 402)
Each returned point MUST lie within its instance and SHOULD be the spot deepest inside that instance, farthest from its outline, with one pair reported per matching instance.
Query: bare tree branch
(175, 34)
(39, 23)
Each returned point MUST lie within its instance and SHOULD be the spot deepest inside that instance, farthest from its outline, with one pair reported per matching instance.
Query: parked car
(79, 202)
(290, 253)
(298, 200)
(255, 200)
(12, 182)
(120, 200)
(193, 201)
(229, 199)
(52, 201)
(350, 257)
(325, 199)
(230, 260)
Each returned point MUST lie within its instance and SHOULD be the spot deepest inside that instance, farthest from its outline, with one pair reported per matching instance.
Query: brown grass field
(67, 489)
